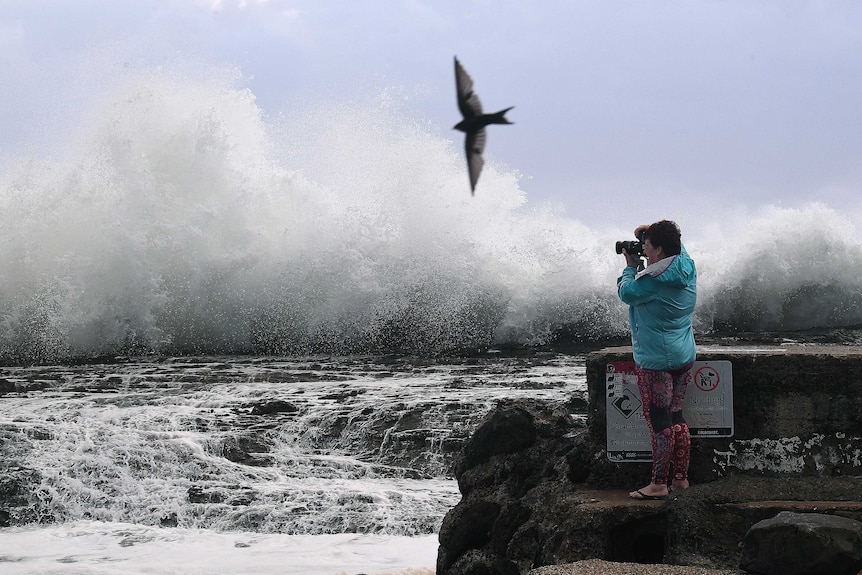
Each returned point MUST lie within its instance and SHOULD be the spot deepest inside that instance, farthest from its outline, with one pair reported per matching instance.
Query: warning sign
(708, 407)
(628, 435)
(706, 378)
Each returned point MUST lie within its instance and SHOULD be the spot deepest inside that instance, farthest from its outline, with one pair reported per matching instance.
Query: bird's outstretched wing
(474, 145)
(468, 101)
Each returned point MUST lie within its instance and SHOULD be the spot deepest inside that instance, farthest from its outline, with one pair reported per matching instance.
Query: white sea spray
(178, 217)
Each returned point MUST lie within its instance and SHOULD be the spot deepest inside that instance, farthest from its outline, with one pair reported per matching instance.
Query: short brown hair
(665, 235)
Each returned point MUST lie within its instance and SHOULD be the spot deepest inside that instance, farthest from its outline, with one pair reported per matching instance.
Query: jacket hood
(676, 270)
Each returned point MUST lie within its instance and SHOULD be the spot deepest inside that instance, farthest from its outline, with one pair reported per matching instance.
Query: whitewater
(236, 342)
(242, 464)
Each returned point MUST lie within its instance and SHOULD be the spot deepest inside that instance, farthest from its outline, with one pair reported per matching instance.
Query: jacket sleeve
(632, 291)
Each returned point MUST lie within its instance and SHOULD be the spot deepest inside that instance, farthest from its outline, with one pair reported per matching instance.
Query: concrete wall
(797, 412)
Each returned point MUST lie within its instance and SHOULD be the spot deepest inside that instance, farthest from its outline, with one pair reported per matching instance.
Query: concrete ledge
(797, 412)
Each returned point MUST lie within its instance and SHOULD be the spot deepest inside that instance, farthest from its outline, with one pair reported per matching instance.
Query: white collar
(657, 268)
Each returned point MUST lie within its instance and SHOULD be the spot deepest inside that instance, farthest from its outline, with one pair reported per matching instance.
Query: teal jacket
(661, 301)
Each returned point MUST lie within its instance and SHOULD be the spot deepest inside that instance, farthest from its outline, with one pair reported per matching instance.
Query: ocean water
(247, 465)
(237, 342)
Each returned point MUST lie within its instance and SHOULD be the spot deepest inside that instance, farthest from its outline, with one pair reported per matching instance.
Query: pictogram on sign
(706, 378)
(626, 403)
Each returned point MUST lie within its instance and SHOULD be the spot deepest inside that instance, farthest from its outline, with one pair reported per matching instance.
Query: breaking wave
(181, 219)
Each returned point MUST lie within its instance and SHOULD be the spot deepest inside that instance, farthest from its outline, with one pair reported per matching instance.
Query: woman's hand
(631, 260)
(640, 229)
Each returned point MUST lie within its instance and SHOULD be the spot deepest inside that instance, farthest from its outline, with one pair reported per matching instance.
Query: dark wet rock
(296, 377)
(274, 406)
(170, 520)
(577, 404)
(467, 527)
(247, 451)
(509, 456)
(343, 395)
(110, 384)
(16, 486)
(479, 563)
(23, 385)
(6, 386)
(38, 433)
(410, 420)
(529, 507)
(234, 495)
(242, 496)
(509, 429)
(803, 544)
(200, 494)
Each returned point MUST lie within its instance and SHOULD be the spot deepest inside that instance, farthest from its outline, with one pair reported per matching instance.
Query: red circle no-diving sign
(706, 378)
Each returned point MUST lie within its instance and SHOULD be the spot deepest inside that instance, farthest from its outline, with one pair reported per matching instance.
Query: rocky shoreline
(527, 507)
(599, 567)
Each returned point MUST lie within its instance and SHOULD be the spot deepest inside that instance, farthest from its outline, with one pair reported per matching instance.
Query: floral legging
(662, 395)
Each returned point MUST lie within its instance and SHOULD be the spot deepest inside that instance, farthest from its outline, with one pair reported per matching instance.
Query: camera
(633, 247)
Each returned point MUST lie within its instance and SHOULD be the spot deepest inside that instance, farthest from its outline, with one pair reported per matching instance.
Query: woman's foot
(651, 491)
(679, 485)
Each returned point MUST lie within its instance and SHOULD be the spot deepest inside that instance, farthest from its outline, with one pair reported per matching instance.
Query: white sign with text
(708, 407)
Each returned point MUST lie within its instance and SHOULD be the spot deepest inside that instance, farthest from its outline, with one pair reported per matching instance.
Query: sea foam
(180, 218)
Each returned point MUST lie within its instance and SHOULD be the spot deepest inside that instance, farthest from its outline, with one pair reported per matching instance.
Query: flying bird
(474, 122)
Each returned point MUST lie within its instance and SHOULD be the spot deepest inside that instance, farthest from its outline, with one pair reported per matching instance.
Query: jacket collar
(657, 268)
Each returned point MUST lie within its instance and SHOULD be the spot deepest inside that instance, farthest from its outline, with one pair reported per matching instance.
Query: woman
(661, 301)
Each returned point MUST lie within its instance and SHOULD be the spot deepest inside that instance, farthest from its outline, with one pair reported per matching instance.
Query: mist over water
(179, 218)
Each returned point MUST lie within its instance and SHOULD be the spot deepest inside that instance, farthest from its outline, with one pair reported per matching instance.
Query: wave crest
(182, 220)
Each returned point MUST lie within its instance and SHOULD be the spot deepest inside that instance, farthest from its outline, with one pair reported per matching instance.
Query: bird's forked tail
(500, 117)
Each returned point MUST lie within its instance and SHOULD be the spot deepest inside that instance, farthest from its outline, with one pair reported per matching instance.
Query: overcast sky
(737, 102)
